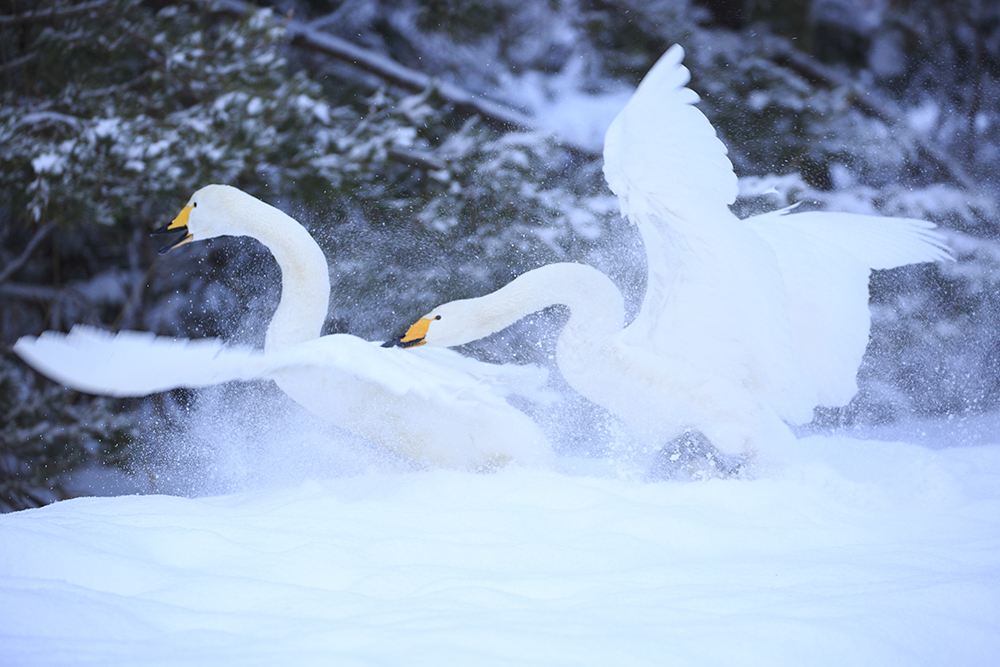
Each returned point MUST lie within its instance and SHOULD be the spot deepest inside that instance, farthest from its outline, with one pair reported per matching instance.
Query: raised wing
(713, 295)
(661, 153)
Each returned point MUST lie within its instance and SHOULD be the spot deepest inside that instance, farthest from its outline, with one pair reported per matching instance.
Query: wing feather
(661, 152)
(879, 242)
(134, 363)
(826, 259)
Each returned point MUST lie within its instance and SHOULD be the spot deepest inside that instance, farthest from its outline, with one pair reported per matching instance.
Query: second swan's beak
(179, 224)
(415, 336)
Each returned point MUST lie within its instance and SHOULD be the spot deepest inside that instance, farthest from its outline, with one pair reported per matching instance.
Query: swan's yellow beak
(179, 224)
(416, 335)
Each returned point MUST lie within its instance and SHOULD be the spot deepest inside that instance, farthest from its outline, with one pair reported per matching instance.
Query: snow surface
(861, 553)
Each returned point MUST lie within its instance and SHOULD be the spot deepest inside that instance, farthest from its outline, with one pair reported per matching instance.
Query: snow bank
(864, 552)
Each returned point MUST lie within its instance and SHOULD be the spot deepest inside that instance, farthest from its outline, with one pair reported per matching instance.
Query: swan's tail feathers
(133, 363)
(878, 242)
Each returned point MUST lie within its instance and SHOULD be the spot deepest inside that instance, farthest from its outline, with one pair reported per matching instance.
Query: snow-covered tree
(114, 112)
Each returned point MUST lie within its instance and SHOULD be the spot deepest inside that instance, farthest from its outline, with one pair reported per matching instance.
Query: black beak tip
(184, 236)
(393, 342)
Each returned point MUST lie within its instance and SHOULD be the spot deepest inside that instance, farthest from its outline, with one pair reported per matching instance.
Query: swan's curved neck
(596, 306)
(305, 277)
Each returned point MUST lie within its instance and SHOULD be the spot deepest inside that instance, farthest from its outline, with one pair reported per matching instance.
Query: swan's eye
(437, 317)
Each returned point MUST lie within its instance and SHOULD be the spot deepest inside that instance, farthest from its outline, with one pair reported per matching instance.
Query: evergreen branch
(21, 259)
(53, 13)
(305, 35)
(153, 53)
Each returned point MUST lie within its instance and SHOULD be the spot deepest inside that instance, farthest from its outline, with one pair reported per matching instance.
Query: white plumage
(441, 409)
(745, 324)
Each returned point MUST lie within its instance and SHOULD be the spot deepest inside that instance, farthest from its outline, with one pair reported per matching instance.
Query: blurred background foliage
(112, 112)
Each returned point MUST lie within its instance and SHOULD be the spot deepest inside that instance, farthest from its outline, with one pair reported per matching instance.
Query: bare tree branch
(20, 260)
(133, 298)
(53, 13)
(39, 293)
(307, 36)
(869, 102)
(17, 62)
(417, 159)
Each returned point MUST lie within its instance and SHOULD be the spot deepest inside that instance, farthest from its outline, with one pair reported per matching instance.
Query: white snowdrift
(863, 553)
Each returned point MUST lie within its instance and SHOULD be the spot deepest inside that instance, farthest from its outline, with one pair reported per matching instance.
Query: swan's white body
(745, 325)
(442, 410)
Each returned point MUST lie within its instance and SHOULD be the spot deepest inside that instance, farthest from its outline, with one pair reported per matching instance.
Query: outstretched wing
(881, 243)
(133, 363)
(826, 259)
(440, 411)
(439, 375)
(661, 153)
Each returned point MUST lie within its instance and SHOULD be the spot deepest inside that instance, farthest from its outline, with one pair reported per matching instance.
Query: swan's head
(212, 211)
(448, 325)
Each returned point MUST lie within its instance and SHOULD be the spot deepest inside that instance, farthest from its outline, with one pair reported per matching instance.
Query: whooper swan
(746, 325)
(438, 410)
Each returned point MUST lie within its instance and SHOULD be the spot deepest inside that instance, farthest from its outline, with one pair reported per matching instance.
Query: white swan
(441, 410)
(745, 325)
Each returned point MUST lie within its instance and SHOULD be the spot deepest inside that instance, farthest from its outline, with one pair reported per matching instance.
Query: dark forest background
(438, 148)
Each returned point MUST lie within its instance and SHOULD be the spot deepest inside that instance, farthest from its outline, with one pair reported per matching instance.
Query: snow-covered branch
(870, 102)
(47, 117)
(305, 35)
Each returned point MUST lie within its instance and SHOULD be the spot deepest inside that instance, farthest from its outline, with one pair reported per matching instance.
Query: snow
(863, 552)
(560, 105)
(49, 163)
(255, 106)
(924, 118)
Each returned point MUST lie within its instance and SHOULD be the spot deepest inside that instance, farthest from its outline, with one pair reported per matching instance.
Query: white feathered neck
(597, 309)
(221, 210)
